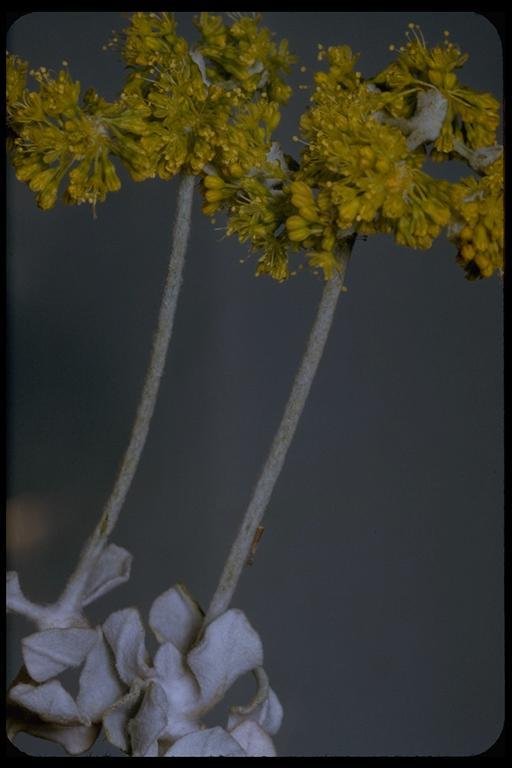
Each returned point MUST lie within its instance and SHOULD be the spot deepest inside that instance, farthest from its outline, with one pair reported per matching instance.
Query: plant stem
(109, 517)
(261, 495)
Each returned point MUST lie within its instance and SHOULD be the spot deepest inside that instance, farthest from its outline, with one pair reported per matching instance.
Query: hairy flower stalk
(140, 429)
(272, 468)
(67, 610)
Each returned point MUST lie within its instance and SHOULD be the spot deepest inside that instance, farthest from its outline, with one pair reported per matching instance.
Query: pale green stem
(95, 545)
(241, 547)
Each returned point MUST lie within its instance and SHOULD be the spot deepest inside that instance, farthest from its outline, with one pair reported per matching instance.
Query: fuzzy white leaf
(115, 720)
(253, 739)
(13, 594)
(49, 701)
(275, 154)
(427, 121)
(229, 648)
(125, 635)
(181, 689)
(212, 742)
(99, 685)
(51, 651)
(268, 714)
(113, 568)
(74, 738)
(145, 728)
(198, 59)
(16, 601)
(176, 617)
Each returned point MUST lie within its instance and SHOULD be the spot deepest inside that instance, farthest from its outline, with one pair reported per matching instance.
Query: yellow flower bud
(214, 195)
(41, 179)
(348, 212)
(297, 235)
(367, 152)
(258, 231)
(308, 212)
(435, 77)
(236, 170)
(450, 80)
(467, 252)
(440, 216)
(48, 197)
(323, 201)
(480, 239)
(367, 156)
(300, 188)
(295, 222)
(27, 170)
(481, 260)
(382, 165)
(112, 181)
(213, 182)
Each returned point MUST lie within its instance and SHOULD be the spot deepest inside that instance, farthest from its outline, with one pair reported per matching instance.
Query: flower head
(181, 109)
(58, 138)
(469, 115)
(362, 169)
(477, 226)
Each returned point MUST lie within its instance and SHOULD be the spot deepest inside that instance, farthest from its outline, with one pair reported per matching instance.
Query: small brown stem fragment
(254, 545)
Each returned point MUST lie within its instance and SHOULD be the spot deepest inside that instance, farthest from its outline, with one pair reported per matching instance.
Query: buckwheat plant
(207, 112)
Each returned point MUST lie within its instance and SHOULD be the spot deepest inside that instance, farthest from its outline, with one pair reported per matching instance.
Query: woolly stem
(241, 547)
(110, 515)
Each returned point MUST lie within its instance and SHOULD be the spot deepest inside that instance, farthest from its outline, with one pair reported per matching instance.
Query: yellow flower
(179, 111)
(325, 260)
(16, 79)
(477, 227)
(246, 53)
(274, 261)
(361, 169)
(471, 116)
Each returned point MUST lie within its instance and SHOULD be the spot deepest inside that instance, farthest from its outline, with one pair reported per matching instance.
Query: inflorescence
(362, 169)
(210, 110)
(179, 110)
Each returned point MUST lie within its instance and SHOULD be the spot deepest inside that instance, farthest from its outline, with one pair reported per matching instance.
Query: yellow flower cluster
(50, 132)
(477, 229)
(54, 135)
(471, 117)
(180, 109)
(211, 109)
(361, 171)
(246, 54)
(257, 210)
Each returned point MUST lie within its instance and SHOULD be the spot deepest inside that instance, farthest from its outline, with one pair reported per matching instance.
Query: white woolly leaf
(74, 738)
(253, 739)
(176, 617)
(49, 701)
(181, 689)
(115, 720)
(13, 594)
(149, 722)
(99, 685)
(268, 714)
(51, 651)
(229, 648)
(212, 742)
(125, 635)
(113, 568)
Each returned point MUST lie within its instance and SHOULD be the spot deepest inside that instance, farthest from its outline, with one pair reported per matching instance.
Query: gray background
(378, 585)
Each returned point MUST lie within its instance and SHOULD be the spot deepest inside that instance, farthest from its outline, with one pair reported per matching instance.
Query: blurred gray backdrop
(377, 588)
